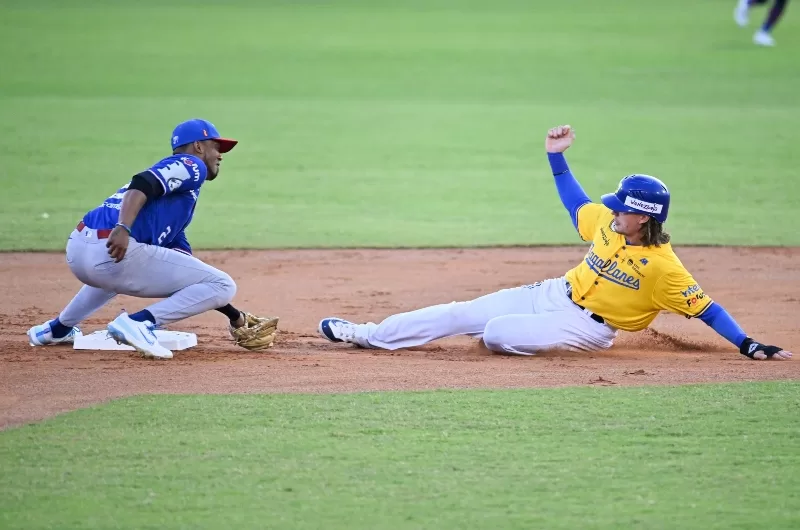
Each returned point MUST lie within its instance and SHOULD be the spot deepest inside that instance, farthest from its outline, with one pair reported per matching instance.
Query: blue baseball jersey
(162, 220)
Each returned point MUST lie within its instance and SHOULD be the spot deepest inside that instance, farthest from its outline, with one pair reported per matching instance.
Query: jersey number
(164, 235)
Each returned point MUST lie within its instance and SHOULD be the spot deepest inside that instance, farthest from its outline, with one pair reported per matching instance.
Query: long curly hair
(653, 234)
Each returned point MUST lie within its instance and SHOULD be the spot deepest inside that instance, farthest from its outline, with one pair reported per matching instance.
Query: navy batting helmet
(640, 194)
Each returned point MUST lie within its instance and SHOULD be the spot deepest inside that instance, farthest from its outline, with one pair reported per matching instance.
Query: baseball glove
(258, 333)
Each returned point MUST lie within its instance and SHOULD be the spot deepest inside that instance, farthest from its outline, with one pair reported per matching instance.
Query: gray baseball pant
(189, 286)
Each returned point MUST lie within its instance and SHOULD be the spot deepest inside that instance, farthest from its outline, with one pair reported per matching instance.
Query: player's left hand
(759, 352)
(559, 139)
(257, 333)
(117, 244)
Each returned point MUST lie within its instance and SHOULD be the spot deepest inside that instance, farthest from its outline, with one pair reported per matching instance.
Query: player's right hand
(117, 243)
(559, 139)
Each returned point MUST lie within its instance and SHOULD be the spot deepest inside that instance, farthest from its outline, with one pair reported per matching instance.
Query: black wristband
(750, 347)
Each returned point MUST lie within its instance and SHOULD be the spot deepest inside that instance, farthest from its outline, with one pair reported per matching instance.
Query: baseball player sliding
(628, 276)
(135, 244)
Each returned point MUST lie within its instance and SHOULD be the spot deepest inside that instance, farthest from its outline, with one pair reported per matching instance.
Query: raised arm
(572, 196)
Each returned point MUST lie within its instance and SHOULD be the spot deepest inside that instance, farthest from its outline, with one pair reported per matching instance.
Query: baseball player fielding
(135, 244)
(628, 276)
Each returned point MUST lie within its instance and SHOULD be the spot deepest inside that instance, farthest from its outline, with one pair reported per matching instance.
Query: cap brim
(226, 144)
(611, 202)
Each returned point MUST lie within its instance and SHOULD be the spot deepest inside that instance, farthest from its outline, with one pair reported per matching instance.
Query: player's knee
(493, 335)
(226, 289)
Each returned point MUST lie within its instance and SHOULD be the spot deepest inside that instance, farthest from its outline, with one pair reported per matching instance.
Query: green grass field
(400, 123)
(690, 457)
(415, 123)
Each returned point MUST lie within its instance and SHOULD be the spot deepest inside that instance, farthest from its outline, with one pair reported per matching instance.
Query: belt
(594, 316)
(101, 234)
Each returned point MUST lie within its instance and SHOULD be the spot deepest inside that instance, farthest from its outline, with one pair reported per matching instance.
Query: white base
(100, 340)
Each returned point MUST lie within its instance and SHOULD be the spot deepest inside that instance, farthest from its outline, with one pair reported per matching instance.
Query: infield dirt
(760, 287)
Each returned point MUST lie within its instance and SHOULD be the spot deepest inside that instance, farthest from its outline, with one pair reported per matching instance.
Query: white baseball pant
(522, 321)
(189, 286)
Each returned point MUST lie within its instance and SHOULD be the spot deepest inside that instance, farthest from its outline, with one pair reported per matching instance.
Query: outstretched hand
(559, 139)
(759, 352)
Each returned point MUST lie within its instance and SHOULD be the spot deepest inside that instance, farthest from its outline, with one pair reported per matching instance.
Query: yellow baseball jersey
(629, 285)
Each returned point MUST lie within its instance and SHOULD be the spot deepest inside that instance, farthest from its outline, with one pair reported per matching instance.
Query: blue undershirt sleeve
(723, 323)
(569, 190)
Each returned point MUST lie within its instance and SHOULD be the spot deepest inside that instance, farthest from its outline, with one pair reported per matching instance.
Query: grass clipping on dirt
(705, 456)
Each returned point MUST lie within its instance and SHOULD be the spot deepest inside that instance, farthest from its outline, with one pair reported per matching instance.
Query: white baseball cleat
(139, 335)
(339, 330)
(762, 38)
(741, 13)
(42, 335)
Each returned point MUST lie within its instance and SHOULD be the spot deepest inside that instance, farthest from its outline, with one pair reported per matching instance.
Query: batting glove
(750, 348)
